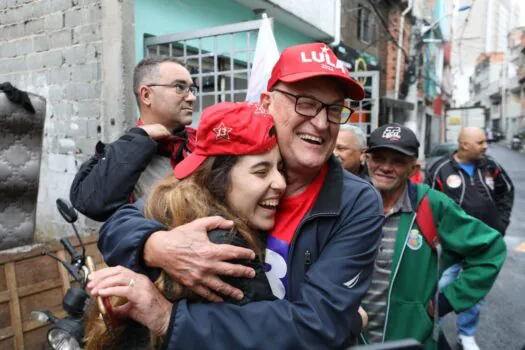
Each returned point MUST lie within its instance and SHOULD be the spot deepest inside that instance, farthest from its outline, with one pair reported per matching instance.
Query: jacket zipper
(394, 277)
(307, 258)
(485, 185)
(463, 187)
(292, 245)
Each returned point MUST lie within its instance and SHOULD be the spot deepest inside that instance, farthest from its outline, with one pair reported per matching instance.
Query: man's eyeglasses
(179, 88)
(310, 107)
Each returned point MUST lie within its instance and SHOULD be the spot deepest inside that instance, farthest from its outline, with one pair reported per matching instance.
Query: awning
(358, 60)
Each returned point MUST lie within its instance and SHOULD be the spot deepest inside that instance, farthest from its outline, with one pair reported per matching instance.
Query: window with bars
(219, 60)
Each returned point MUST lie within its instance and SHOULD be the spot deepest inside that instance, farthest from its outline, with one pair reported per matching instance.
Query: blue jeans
(467, 320)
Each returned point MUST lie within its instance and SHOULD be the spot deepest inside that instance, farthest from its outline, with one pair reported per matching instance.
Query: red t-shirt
(291, 211)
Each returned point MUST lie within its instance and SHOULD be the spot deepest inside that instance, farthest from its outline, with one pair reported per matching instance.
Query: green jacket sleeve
(468, 240)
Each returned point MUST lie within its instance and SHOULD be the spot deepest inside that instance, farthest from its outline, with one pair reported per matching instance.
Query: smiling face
(257, 185)
(388, 169)
(305, 143)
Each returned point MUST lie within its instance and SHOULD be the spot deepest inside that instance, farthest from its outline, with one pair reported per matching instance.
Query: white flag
(266, 55)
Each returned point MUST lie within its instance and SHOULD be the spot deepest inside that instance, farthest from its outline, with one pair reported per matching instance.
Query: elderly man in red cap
(320, 253)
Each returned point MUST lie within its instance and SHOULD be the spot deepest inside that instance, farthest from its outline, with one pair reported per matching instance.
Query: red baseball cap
(305, 61)
(229, 128)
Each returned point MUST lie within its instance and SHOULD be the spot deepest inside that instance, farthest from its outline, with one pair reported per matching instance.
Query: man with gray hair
(350, 149)
(124, 170)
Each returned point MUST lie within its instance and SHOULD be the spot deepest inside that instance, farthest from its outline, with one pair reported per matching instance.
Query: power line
(385, 26)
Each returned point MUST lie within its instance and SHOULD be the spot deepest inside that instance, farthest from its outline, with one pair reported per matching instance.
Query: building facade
(482, 29)
(79, 55)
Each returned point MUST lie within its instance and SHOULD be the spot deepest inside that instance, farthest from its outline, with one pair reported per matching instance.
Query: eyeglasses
(179, 88)
(310, 107)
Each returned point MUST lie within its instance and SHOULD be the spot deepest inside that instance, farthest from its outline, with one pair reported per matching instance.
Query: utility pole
(504, 81)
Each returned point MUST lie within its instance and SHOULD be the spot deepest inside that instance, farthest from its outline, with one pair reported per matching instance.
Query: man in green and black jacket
(403, 301)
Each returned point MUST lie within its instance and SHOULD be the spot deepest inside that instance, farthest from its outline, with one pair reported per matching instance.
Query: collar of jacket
(477, 164)
(416, 192)
(329, 200)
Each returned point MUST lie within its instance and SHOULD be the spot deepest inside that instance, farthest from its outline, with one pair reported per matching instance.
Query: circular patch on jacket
(453, 181)
(415, 240)
(489, 180)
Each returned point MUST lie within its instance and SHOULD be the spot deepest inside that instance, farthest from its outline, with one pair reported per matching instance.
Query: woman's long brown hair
(173, 203)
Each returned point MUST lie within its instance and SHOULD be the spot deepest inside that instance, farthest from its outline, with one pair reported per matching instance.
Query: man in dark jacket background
(123, 171)
(484, 190)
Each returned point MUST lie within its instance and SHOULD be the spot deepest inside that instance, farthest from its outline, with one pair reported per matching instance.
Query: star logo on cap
(222, 132)
(324, 49)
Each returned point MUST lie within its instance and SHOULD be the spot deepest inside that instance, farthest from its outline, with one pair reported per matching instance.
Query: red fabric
(229, 128)
(417, 178)
(440, 184)
(293, 209)
(313, 60)
(437, 105)
(172, 144)
(425, 222)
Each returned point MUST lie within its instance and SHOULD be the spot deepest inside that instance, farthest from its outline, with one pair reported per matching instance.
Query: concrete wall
(71, 53)
(20, 154)
(320, 14)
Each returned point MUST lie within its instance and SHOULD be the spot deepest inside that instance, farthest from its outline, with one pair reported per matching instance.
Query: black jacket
(488, 195)
(254, 289)
(106, 181)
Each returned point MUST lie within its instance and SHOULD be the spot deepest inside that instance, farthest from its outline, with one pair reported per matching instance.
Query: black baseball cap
(396, 137)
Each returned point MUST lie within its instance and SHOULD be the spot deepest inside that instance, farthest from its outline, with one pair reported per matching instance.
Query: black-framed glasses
(179, 88)
(310, 107)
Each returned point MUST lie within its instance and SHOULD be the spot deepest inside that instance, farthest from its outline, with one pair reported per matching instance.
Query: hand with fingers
(145, 303)
(364, 316)
(156, 131)
(189, 257)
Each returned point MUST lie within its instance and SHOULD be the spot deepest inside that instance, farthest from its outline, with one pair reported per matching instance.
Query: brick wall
(382, 47)
(389, 51)
(349, 23)
(54, 48)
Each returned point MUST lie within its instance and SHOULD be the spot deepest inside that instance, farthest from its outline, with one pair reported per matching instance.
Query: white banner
(266, 55)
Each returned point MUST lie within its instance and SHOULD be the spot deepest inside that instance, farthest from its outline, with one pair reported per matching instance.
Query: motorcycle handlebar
(70, 249)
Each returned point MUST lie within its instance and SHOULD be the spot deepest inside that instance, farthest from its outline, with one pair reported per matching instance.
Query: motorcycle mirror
(43, 316)
(66, 210)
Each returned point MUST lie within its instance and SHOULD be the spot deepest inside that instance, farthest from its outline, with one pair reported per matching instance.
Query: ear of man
(264, 99)
(144, 95)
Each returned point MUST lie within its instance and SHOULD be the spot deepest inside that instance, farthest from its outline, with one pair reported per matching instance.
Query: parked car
(437, 152)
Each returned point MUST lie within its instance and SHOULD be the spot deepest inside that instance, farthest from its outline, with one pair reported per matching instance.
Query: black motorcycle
(67, 333)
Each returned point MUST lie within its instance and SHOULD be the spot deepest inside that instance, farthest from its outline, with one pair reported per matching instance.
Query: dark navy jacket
(330, 266)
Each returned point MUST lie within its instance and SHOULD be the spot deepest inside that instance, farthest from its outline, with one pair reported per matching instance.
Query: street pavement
(502, 324)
